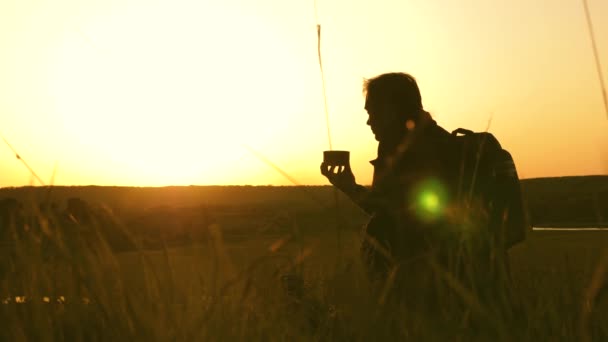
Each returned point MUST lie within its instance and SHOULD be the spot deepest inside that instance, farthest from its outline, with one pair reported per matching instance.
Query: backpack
(486, 172)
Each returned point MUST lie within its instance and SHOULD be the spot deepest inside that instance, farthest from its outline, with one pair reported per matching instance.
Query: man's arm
(344, 179)
(360, 195)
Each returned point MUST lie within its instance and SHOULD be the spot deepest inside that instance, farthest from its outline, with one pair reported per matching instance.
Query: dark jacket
(416, 165)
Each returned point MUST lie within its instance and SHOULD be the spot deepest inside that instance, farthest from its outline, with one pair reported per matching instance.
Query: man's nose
(367, 123)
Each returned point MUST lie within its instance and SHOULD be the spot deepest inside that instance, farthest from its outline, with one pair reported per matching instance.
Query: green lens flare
(429, 199)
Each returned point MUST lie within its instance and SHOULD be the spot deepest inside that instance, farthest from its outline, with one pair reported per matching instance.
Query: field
(231, 264)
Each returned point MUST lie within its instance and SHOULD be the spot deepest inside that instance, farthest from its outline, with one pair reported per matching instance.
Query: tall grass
(62, 279)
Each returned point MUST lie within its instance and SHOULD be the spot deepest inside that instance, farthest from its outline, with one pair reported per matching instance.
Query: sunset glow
(179, 92)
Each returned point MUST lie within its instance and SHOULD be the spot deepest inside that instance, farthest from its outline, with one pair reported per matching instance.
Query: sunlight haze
(152, 93)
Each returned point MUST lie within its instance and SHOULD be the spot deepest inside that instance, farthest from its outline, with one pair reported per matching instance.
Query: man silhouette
(419, 221)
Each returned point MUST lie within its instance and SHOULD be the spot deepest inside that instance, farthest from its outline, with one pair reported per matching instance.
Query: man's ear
(398, 116)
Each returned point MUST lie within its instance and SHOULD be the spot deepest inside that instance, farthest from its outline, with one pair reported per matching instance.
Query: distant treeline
(558, 201)
(567, 201)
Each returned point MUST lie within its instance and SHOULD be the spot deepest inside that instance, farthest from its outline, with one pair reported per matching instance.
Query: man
(421, 228)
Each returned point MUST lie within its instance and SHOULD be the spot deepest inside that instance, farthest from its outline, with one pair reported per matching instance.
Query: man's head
(393, 102)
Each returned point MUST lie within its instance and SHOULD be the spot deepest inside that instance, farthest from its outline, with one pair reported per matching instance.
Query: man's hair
(399, 88)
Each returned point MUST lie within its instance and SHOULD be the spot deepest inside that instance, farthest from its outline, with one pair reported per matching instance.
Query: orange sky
(133, 92)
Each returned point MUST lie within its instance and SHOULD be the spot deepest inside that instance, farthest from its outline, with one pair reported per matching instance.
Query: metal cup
(336, 158)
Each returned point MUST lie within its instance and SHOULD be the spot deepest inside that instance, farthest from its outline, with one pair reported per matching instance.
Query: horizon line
(241, 185)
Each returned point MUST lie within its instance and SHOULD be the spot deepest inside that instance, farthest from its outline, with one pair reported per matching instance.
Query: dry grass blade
(285, 174)
(598, 284)
(320, 61)
(275, 246)
(323, 85)
(467, 295)
(596, 56)
(379, 248)
(18, 156)
(388, 285)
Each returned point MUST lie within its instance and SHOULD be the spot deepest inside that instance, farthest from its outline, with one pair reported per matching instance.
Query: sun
(171, 93)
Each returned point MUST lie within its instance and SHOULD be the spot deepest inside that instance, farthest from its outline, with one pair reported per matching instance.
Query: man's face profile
(382, 119)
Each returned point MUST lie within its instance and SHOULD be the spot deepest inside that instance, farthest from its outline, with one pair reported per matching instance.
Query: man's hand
(341, 177)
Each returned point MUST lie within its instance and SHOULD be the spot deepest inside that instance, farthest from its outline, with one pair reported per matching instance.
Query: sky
(210, 92)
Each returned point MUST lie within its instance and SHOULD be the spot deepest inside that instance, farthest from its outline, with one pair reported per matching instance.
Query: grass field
(237, 275)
